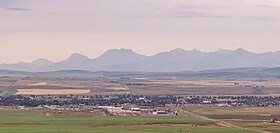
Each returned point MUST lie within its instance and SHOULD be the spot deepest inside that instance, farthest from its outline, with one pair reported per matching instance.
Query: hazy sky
(54, 29)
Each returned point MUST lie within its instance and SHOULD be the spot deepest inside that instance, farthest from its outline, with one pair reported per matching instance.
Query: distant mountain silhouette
(42, 62)
(116, 57)
(75, 61)
(173, 60)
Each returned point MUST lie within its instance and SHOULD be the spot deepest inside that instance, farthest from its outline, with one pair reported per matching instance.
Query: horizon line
(187, 50)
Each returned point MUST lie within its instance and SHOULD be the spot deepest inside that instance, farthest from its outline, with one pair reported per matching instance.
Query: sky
(54, 29)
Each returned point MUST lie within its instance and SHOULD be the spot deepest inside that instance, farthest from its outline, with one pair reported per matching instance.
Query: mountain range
(170, 61)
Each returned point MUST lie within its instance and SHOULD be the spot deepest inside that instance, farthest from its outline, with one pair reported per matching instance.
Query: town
(137, 100)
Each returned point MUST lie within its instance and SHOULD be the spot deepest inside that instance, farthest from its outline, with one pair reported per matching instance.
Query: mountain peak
(173, 60)
(77, 56)
(41, 62)
(241, 50)
(178, 50)
(224, 51)
(118, 57)
(119, 52)
(195, 50)
(122, 50)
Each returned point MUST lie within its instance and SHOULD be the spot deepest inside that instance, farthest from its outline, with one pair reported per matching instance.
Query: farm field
(139, 86)
(258, 118)
(51, 91)
(48, 129)
(204, 87)
(36, 122)
(241, 113)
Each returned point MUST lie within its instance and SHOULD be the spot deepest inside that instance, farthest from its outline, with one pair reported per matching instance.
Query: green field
(37, 122)
(113, 130)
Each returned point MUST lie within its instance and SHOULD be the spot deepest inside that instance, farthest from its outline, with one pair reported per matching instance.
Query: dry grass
(257, 118)
(194, 82)
(118, 88)
(39, 84)
(213, 110)
(214, 83)
(51, 91)
(151, 87)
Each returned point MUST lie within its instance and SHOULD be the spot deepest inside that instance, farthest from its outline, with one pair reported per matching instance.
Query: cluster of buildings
(135, 111)
(119, 111)
(275, 120)
(138, 100)
(236, 101)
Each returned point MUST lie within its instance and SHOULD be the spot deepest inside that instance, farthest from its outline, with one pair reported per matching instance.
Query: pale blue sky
(53, 29)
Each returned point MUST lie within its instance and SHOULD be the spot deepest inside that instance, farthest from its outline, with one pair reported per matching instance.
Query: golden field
(51, 91)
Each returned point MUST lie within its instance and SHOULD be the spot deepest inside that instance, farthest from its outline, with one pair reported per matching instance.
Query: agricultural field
(51, 91)
(204, 87)
(258, 118)
(39, 83)
(27, 121)
(10, 85)
(141, 86)
(248, 113)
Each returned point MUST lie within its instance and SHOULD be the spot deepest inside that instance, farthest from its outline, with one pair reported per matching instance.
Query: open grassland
(7, 92)
(249, 113)
(98, 86)
(39, 83)
(39, 118)
(51, 91)
(118, 88)
(195, 82)
(74, 83)
(216, 83)
(258, 118)
(146, 86)
(259, 125)
(38, 122)
(62, 129)
(205, 87)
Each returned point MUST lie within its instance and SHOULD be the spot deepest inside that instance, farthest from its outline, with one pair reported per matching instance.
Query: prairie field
(51, 91)
(240, 113)
(39, 84)
(258, 118)
(141, 86)
(27, 121)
